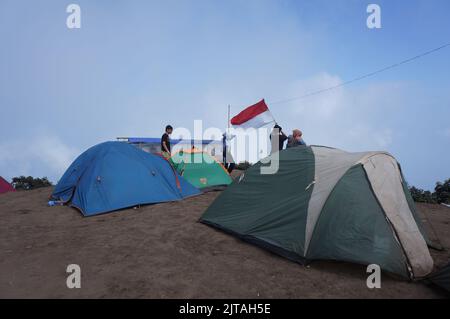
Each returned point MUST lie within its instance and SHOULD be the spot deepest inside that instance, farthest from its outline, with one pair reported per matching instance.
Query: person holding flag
(277, 138)
(257, 116)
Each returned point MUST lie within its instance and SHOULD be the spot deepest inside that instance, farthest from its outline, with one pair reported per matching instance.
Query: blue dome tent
(116, 175)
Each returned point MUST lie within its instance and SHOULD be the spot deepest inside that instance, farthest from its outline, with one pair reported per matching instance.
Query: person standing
(277, 134)
(227, 158)
(165, 141)
(295, 139)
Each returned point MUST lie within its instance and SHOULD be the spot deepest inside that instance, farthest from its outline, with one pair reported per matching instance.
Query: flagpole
(227, 132)
(228, 122)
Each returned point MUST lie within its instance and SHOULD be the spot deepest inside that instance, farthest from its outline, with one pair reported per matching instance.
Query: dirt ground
(161, 251)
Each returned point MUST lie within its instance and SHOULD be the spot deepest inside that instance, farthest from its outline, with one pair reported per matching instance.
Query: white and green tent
(325, 203)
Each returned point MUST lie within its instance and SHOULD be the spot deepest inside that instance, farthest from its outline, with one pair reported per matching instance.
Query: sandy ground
(161, 251)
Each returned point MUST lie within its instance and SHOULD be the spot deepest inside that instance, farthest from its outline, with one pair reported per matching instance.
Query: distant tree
(421, 196)
(442, 192)
(28, 183)
(243, 165)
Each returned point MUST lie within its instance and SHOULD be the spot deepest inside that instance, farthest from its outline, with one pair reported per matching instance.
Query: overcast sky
(135, 66)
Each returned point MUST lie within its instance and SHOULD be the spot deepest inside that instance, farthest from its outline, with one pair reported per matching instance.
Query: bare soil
(161, 251)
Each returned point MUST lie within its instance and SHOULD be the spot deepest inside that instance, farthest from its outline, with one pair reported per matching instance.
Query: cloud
(360, 118)
(171, 63)
(35, 156)
(355, 119)
(322, 105)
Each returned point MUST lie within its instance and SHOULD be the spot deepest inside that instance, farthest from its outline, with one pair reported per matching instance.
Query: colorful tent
(5, 186)
(116, 175)
(324, 203)
(200, 169)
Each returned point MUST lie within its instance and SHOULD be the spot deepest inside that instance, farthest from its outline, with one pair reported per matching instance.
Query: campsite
(198, 152)
(162, 251)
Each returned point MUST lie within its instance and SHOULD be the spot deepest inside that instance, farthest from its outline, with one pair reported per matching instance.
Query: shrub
(440, 195)
(28, 183)
(421, 196)
(442, 192)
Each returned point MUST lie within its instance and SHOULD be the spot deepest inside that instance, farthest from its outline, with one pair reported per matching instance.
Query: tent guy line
(392, 66)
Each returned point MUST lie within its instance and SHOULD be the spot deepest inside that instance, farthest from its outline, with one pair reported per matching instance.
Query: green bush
(421, 196)
(28, 183)
(442, 192)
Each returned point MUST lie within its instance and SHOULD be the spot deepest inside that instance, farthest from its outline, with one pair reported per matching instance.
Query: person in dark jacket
(277, 135)
(165, 141)
(228, 161)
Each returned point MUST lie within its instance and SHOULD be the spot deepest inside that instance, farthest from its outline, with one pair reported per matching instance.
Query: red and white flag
(253, 116)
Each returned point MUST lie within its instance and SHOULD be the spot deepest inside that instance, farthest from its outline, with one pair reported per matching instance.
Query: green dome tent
(328, 204)
(200, 169)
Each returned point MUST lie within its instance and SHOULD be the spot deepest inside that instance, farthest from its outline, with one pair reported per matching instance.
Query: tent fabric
(200, 169)
(5, 187)
(354, 218)
(330, 165)
(386, 181)
(352, 227)
(420, 223)
(117, 175)
(441, 278)
(269, 208)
